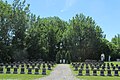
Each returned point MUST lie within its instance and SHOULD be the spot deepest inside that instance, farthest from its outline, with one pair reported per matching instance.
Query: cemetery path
(60, 72)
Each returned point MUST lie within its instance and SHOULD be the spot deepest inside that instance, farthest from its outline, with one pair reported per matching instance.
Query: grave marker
(109, 73)
(102, 73)
(15, 71)
(36, 70)
(87, 72)
(22, 70)
(8, 70)
(80, 72)
(116, 73)
(29, 71)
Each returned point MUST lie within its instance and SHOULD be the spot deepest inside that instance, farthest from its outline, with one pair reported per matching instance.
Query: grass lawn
(97, 77)
(24, 76)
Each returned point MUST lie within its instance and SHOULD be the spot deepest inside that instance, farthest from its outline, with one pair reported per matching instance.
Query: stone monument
(63, 61)
(102, 57)
(109, 58)
(60, 61)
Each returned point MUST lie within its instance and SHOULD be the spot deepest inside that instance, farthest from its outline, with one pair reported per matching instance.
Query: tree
(68, 57)
(24, 35)
(82, 37)
(58, 57)
(5, 29)
(115, 47)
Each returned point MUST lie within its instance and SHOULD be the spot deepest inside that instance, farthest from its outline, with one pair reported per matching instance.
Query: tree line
(25, 36)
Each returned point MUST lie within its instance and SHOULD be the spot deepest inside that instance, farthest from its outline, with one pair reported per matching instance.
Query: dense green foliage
(115, 47)
(24, 35)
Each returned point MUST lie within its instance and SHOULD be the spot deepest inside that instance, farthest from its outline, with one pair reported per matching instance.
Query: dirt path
(61, 72)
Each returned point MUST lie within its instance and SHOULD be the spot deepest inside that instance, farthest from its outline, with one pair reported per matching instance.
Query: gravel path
(61, 72)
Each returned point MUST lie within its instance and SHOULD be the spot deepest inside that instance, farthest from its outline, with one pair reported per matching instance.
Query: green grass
(96, 77)
(24, 76)
(19, 76)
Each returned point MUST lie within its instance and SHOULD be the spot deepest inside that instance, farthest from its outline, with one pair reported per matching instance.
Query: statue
(102, 57)
(109, 58)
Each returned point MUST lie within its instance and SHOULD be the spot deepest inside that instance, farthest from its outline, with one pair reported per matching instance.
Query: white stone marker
(102, 57)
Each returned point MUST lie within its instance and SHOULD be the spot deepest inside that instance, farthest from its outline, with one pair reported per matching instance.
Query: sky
(106, 13)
